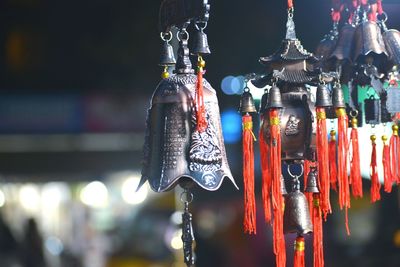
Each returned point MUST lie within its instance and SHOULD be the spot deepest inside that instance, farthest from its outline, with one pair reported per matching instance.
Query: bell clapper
(187, 229)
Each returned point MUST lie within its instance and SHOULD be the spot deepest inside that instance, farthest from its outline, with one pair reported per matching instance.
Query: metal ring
(182, 35)
(186, 197)
(290, 172)
(165, 34)
(354, 113)
(385, 17)
(200, 27)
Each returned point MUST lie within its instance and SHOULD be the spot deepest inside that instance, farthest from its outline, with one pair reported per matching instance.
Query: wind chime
(184, 143)
(293, 127)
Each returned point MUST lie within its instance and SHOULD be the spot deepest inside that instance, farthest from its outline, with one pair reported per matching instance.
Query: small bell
(296, 218)
(247, 103)
(167, 55)
(200, 43)
(323, 97)
(368, 42)
(274, 98)
(392, 42)
(338, 97)
(312, 185)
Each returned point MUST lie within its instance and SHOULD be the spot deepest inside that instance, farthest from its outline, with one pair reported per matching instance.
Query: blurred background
(76, 79)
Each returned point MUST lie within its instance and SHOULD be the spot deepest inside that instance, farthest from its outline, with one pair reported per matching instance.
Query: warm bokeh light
(29, 196)
(2, 198)
(95, 195)
(129, 193)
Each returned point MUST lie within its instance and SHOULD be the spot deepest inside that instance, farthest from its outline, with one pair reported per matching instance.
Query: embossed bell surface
(200, 44)
(296, 218)
(344, 44)
(167, 56)
(247, 103)
(368, 41)
(392, 42)
(323, 98)
(312, 184)
(173, 147)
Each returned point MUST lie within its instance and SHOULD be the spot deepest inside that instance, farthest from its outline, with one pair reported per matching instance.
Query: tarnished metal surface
(368, 41)
(173, 148)
(392, 42)
(296, 218)
(344, 44)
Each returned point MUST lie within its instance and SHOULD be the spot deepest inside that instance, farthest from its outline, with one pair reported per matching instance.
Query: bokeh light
(231, 125)
(95, 195)
(2, 198)
(29, 197)
(129, 193)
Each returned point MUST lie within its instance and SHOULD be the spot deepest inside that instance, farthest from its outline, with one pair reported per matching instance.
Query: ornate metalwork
(292, 125)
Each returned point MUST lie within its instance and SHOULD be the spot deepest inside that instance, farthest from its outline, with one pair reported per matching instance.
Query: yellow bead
(354, 122)
(373, 138)
(333, 132)
(395, 127)
(165, 74)
(201, 63)
(384, 138)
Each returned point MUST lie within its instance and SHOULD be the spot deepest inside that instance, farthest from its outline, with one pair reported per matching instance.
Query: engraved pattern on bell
(173, 148)
(292, 125)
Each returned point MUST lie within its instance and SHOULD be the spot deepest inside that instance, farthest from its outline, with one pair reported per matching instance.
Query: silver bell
(167, 55)
(312, 182)
(392, 42)
(200, 45)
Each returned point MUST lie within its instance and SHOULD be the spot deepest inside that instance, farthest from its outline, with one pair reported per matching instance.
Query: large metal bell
(296, 218)
(342, 51)
(274, 98)
(167, 55)
(392, 42)
(368, 43)
(200, 44)
(247, 103)
(312, 182)
(323, 98)
(338, 97)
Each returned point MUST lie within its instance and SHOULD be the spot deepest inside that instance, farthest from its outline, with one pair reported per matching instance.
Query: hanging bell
(392, 42)
(167, 55)
(323, 98)
(296, 218)
(174, 150)
(369, 45)
(247, 103)
(312, 185)
(342, 51)
(200, 43)
(274, 98)
(338, 97)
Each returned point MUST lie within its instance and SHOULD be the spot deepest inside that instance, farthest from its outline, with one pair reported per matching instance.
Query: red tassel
(277, 198)
(200, 108)
(317, 233)
(355, 171)
(323, 160)
(343, 180)
(394, 147)
(375, 185)
(266, 176)
(387, 177)
(248, 176)
(299, 247)
(332, 160)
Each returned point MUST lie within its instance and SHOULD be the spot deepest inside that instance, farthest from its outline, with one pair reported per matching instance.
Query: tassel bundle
(299, 247)
(332, 160)
(387, 176)
(266, 176)
(343, 181)
(394, 147)
(323, 161)
(317, 233)
(248, 175)
(201, 124)
(355, 169)
(375, 185)
(277, 198)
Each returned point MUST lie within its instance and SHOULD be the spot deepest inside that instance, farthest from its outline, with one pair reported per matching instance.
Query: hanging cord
(355, 169)
(187, 229)
(200, 108)
(332, 160)
(375, 185)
